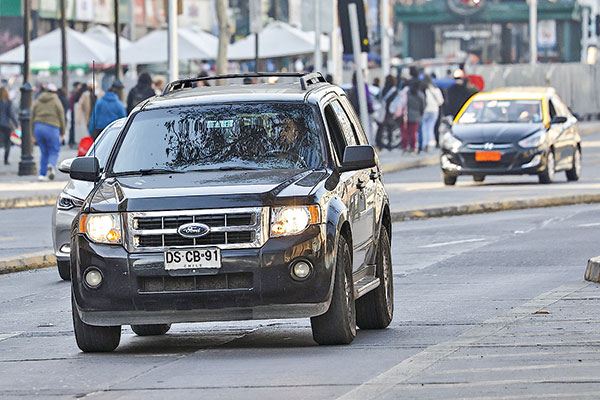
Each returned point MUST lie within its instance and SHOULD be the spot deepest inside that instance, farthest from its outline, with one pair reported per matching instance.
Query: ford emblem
(193, 230)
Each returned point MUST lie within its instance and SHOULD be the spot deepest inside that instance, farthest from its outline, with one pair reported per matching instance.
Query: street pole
(318, 55)
(358, 64)
(385, 38)
(118, 47)
(173, 42)
(63, 34)
(256, 57)
(131, 21)
(533, 31)
(26, 165)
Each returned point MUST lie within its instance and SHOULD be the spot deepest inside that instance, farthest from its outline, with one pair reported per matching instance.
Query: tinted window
(362, 137)
(261, 135)
(104, 144)
(339, 142)
(345, 124)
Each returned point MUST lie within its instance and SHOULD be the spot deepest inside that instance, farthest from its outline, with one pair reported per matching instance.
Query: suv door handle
(375, 175)
(361, 184)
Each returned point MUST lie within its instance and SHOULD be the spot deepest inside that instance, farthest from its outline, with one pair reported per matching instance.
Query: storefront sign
(547, 33)
(467, 35)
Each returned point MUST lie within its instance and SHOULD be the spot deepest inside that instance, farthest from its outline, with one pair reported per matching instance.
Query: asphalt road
(423, 187)
(487, 306)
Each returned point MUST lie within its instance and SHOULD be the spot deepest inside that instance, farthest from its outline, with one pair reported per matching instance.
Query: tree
(224, 35)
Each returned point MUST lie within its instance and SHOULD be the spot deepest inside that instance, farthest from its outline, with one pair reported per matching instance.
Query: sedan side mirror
(85, 169)
(358, 157)
(558, 120)
(65, 166)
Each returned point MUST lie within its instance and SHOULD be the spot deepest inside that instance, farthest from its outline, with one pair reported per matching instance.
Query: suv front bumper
(251, 284)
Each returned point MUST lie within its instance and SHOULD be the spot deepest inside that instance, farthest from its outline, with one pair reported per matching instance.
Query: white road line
(415, 365)
(449, 243)
(588, 225)
(4, 336)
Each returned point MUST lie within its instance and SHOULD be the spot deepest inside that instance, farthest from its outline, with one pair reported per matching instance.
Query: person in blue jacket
(107, 109)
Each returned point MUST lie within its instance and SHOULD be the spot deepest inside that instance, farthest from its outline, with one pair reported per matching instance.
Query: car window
(104, 144)
(494, 111)
(339, 141)
(362, 137)
(345, 124)
(204, 137)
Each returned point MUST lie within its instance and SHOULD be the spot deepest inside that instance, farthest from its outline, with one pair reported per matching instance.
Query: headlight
(451, 143)
(293, 220)
(66, 202)
(534, 140)
(101, 228)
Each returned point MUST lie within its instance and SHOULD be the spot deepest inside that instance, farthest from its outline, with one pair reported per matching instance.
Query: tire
(91, 339)
(375, 309)
(151, 330)
(449, 180)
(547, 175)
(478, 178)
(64, 270)
(575, 172)
(338, 324)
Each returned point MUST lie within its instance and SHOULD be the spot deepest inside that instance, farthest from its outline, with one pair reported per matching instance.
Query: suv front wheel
(338, 324)
(92, 338)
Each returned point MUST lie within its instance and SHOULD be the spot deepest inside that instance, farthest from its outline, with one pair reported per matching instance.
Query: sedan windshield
(490, 111)
(222, 137)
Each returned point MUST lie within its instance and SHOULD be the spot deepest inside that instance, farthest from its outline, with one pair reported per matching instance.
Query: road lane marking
(415, 365)
(4, 336)
(428, 246)
(588, 225)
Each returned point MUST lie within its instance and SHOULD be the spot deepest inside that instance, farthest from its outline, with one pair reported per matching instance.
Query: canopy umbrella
(103, 34)
(46, 49)
(194, 44)
(277, 39)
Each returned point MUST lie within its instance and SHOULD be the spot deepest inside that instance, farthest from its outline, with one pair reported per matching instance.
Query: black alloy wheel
(574, 173)
(92, 338)
(375, 309)
(151, 330)
(338, 324)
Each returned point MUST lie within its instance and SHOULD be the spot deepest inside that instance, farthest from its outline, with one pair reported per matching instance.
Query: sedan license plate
(208, 257)
(488, 156)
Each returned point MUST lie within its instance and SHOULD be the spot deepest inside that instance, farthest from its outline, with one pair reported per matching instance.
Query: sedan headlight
(535, 140)
(66, 202)
(293, 219)
(101, 228)
(451, 142)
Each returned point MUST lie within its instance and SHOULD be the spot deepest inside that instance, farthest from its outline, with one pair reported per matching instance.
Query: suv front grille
(232, 281)
(230, 228)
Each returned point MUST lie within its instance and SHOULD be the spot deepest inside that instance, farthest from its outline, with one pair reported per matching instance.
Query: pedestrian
(159, 85)
(459, 93)
(140, 92)
(84, 103)
(415, 105)
(387, 96)
(107, 109)
(433, 101)
(72, 101)
(7, 116)
(353, 94)
(48, 119)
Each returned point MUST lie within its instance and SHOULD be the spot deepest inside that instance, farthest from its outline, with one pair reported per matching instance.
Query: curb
(481, 208)
(24, 202)
(592, 272)
(27, 262)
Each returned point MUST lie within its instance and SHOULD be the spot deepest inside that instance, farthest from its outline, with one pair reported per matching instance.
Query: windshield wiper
(224, 169)
(149, 171)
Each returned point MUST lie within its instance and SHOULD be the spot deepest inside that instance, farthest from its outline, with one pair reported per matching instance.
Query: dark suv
(234, 203)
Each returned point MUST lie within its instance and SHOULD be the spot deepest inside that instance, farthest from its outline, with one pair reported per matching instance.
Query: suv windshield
(224, 136)
(489, 111)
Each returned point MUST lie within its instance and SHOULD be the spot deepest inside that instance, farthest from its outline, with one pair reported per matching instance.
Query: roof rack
(305, 79)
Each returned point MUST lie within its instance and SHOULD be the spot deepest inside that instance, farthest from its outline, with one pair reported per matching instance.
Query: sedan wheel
(575, 172)
(547, 176)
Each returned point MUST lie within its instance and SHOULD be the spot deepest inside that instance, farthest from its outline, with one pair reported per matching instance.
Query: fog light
(65, 248)
(93, 278)
(301, 270)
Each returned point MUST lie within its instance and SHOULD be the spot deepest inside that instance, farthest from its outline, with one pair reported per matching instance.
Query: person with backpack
(386, 114)
(140, 92)
(433, 101)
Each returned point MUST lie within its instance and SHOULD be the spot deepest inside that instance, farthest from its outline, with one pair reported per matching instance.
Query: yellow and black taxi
(512, 131)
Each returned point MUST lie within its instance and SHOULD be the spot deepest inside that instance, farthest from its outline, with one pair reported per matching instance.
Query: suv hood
(494, 133)
(211, 189)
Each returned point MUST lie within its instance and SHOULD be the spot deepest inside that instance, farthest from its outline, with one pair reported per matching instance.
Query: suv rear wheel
(92, 338)
(375, 309)
(338, 324)
(64, 270)
(151, 330)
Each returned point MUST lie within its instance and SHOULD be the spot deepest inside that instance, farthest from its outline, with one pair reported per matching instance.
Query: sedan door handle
(361, 184)
(375, 175)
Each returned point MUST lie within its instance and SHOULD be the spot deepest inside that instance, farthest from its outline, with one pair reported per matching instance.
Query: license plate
(488, 156)
(208, 257)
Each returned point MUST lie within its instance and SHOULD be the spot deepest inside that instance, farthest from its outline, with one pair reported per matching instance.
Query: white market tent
(46, 49)
(103, 34)
(277, 39)
(193, 44)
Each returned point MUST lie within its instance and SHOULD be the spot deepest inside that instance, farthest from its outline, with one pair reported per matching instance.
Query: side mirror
(85, 169)
(558, 120)
(358, 157)
(65, 166)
